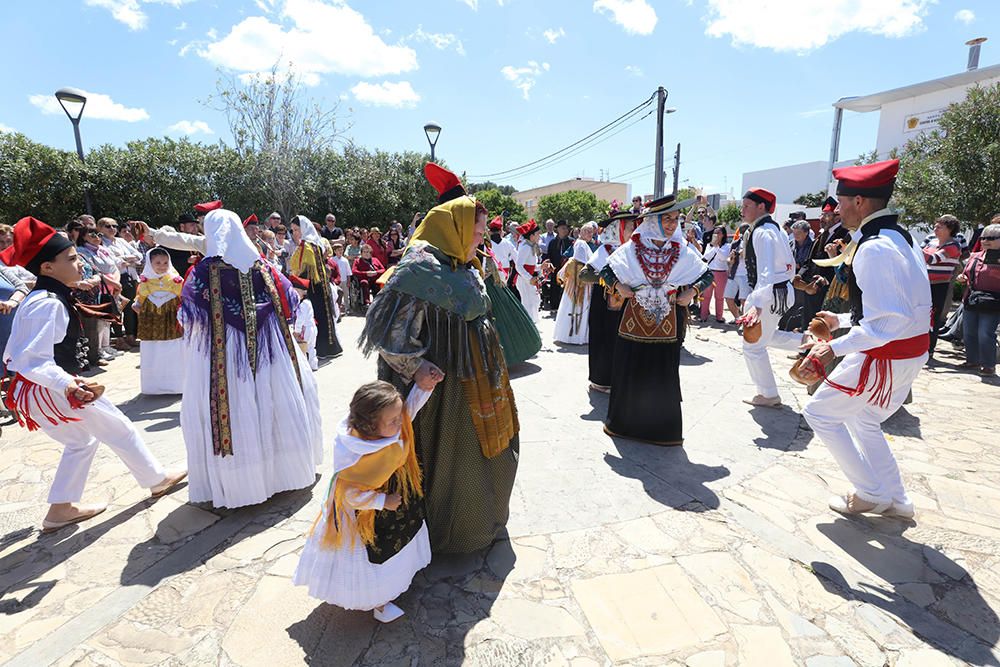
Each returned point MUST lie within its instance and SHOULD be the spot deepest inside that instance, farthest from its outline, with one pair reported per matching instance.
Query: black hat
(562, 223)
(185, 218)
(830, 205)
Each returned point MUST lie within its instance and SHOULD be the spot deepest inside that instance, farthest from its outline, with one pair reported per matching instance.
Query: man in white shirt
(550, 233)
(770, 267)
(884, 348)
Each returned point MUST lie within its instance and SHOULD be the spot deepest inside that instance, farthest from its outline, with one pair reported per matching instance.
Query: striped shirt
(942, 260)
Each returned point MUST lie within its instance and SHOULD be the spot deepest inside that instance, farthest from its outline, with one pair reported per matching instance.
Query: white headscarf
(309, 233)
(651, 230)
(225, 238)
(147, 269)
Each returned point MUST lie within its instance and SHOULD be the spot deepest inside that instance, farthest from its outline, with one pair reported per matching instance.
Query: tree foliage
(474, 188)
(155, 179)
(955, 170)
(499, 203)
(574, 206)
(811, 199)
(729, 214)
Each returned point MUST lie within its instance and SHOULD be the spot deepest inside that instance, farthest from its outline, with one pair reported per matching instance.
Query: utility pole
(677, 167)
(658, 175)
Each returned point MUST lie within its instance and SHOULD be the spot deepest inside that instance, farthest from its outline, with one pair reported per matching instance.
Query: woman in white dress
(250, 413)
(528, 269)
(572, 324)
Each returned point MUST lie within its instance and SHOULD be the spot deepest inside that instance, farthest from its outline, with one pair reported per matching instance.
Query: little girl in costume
(370, 538)
(304, 327)
(157, 299)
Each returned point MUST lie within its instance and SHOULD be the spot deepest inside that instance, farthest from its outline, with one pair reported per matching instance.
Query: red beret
(762, 196)
(207, 206)
(34, 242)
(251, 219)
(296, 281)
(446, 183)
(528, 228)
(496, 223)
(867, 180)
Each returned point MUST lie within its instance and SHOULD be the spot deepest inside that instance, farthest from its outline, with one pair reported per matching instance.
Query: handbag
(981, 300)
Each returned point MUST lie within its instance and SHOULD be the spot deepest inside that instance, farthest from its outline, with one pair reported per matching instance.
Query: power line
(615, 122)
(580, 149)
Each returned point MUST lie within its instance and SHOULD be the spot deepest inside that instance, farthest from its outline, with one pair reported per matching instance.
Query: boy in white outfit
(44, 352)
(304, 327)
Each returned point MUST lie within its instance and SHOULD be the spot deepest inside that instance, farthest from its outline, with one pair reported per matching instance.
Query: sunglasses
(91, 232)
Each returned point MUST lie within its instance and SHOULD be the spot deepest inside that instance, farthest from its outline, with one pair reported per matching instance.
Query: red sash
(530, 268)
(46, 407)
(879, 357)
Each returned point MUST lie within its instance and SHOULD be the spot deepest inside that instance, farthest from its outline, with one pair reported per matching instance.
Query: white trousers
(530, 298)
(755, 354)
(851, 428)
(99, 422)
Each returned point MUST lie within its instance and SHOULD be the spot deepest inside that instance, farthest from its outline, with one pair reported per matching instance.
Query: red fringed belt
(530, 268)
(879, 357)
(19, 403)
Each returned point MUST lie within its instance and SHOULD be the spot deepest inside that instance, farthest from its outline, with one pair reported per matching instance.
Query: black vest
(750, 254)
(70, 354)
(819, 252)
(870, 231)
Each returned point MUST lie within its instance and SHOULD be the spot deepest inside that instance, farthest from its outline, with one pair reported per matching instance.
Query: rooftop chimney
(974, 46)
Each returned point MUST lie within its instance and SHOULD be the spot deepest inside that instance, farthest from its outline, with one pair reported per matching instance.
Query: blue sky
(509, 80)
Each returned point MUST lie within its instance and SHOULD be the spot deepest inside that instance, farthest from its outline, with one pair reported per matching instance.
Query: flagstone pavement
(718, 553)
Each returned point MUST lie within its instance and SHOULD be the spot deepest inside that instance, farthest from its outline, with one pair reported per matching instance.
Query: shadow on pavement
(523, 369)
(780, 427)
(959, 622)
(152, 561)
(667, 475)
(446, 601)
(151, 408)
(903, 423)
(598, 406)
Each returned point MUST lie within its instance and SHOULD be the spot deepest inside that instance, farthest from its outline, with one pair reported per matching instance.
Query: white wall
(787, 183)
(893, 129)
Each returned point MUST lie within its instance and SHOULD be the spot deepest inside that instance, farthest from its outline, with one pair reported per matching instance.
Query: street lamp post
(72, 101)
(433, 131)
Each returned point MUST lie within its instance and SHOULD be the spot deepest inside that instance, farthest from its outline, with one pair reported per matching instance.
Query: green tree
(498, 203)
(729, 214)
(474, 188)
(39, 181)
(574, 206)
(811, 199)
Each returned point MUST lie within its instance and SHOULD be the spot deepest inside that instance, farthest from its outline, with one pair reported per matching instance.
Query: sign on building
(923, 121)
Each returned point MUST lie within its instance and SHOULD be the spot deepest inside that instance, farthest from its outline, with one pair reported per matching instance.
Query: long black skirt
(645, 402)
(327, 344)
(603, 336)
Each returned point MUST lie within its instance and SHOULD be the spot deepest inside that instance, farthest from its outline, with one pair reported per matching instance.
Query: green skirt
(518, 334)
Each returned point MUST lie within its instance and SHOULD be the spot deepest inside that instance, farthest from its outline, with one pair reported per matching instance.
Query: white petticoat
(345, 577)
(276, 426)
(564, 320)
(161, 366)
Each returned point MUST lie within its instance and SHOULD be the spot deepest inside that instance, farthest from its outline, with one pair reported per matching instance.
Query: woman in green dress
(432, 320)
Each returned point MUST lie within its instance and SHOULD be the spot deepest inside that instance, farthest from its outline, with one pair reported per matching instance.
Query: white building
(904, 113)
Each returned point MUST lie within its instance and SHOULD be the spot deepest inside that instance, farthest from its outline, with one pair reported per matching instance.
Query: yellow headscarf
(449, 228)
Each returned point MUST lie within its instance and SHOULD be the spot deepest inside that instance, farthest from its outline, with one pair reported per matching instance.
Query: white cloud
(524, 78)
(814, 112)
(633, 70)
(172, 42)
(212, 34)
(181, 26)
(811, 24)
(966, 16)
(438, 40)
(130, 12)
(188, 127)
(636, 16)
(99, 107)
(553, 35)
(320, 38)
(473, 4)
(386, 94)
(6, 128)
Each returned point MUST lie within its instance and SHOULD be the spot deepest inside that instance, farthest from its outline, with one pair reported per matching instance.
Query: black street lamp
(72, 101)
(432, 130)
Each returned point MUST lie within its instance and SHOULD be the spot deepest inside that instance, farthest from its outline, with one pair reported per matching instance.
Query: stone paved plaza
(719, 553)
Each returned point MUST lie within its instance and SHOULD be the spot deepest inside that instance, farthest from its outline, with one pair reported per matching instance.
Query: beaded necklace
(656, 262)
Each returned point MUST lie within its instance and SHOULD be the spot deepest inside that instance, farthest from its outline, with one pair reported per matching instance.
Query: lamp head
(432, 130)
(72, 100)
